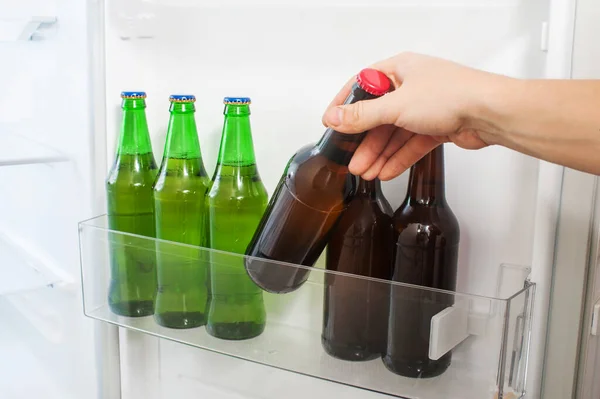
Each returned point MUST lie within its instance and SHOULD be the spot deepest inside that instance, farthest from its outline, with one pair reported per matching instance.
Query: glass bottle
(131, 210)
(427, 236)
(355, 316)
(312, 194)
(235, 204)
(179, 197)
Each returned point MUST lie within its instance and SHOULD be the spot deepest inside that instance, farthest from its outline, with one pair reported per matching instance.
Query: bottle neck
(340, 147)
(134, 138)
(426, 184)
(237, 147)
(368, 188)
(182, 135)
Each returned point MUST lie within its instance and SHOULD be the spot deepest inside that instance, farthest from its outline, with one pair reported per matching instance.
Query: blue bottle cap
(133, 94)
(182, 98)
(237, 100)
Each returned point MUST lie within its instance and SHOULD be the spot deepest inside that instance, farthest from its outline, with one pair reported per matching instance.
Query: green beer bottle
(131, 210)
(235, 203)
(179, 196)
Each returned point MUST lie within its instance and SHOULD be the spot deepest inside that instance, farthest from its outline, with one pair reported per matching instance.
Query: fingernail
(334, 116)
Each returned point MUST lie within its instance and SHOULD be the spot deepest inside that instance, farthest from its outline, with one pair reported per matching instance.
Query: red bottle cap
(373, 81)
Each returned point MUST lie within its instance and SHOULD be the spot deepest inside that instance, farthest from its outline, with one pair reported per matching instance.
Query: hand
(435, 101)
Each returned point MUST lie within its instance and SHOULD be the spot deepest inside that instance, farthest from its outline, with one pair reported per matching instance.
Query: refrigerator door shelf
(19, 150)
(27, 20)
(24, 269)
(25, 29)
(488, 336)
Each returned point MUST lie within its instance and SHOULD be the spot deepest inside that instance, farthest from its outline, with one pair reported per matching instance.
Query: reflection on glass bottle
(235, 204)
(179, 195)
(308, 201)
(131, 210)
(356, 310)
(427, 238)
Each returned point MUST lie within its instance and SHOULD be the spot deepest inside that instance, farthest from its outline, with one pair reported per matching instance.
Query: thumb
(363, 115)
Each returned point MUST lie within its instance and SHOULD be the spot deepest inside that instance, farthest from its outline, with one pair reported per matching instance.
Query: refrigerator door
(46, 344)
(583, 383)
(291, 58)
(572, 358)
(586, 384)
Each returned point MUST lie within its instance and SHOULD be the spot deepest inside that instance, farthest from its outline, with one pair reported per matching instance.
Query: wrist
(493, 106)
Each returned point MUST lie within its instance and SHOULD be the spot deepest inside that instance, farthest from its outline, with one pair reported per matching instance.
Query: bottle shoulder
(364, 216)
(251, 191)
(317, 181)
(188, 186)
(384, 206)
(239, 189)
(136, 169)
(131, 178)
(413, 221)
(368, 206)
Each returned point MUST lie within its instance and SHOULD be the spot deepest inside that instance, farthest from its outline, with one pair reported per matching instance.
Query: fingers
(414, 149)
(370, 149)
(384, 148)
(386, 66)
(398, 139)
(340, 97)
(365, 115)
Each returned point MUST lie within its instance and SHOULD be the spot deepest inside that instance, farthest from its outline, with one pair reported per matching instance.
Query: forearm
(555, 120)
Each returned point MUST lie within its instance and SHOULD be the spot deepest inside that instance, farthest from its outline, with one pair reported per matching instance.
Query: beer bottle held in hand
(355, 315)
(235, 204)
(308, 201)
(427, 236)
(131, 210)
(179, 195)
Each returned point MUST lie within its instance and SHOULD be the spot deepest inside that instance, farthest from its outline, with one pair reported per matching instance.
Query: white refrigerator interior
(46, 346)
(69, 60)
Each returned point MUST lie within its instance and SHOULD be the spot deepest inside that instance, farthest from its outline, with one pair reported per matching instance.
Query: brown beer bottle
(427, 236)
(355, 315)
(308, 201)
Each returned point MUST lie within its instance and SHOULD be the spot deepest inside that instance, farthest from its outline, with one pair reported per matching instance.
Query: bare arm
(554, 120)
(439, 101)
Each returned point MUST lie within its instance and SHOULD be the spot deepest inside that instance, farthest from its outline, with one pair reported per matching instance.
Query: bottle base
(180, 320)
(132, 308)
(353, 353)
(417, 369)
(235, 331)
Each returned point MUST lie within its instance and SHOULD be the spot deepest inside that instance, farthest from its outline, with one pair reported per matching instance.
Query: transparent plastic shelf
(20, 150)
(486, 337)
(21, 270)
